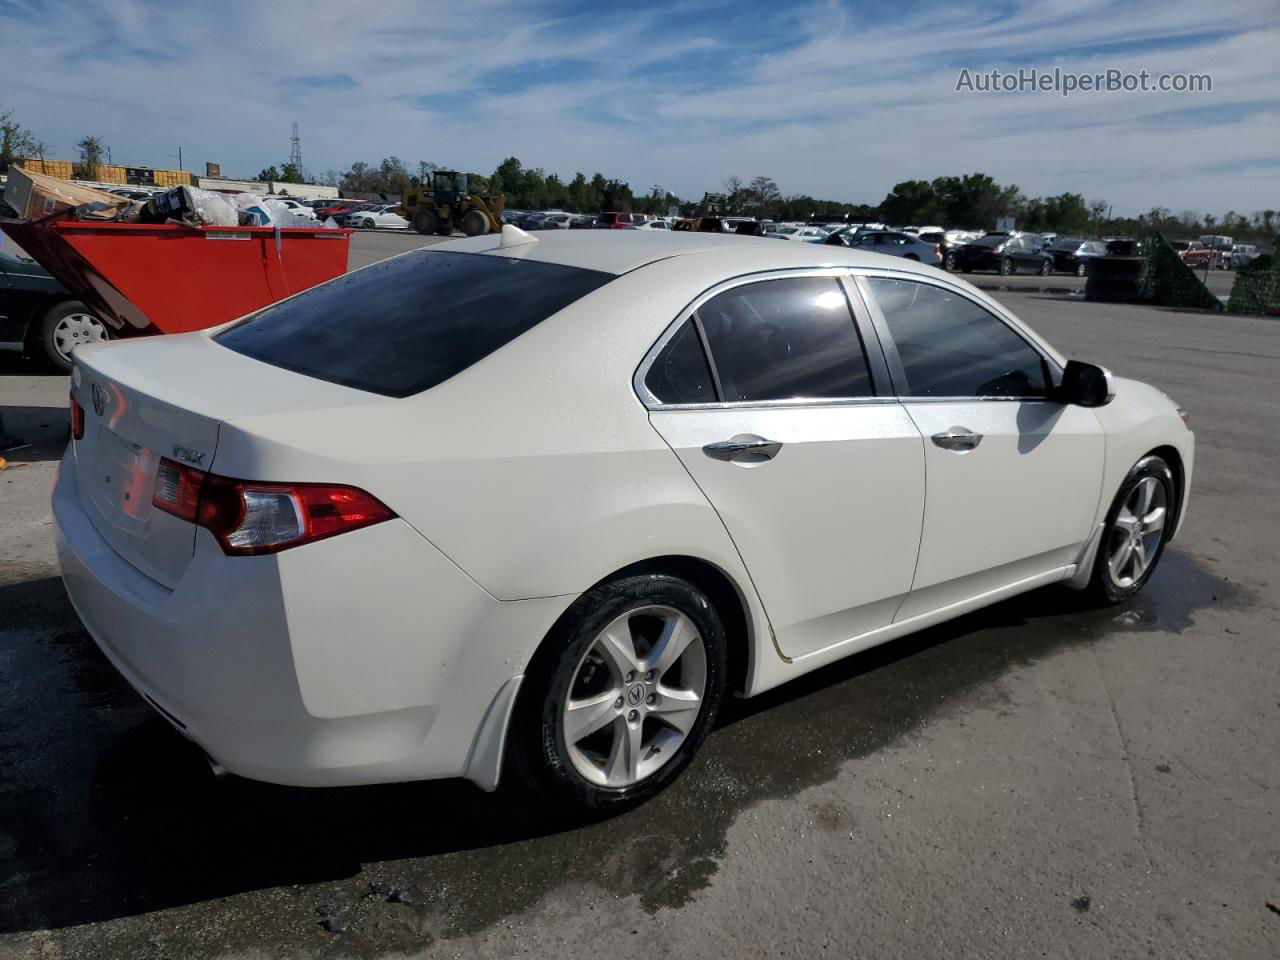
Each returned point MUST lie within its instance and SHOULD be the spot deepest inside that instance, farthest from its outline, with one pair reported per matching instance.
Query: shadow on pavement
(105, 812)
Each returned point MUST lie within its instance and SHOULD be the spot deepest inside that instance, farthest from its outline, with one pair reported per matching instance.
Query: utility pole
(178, 155)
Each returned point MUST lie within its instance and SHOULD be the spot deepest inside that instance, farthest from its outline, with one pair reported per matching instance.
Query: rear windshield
(404, 325)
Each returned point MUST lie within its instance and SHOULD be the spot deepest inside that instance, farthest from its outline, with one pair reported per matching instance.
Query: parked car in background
(582, 221)
(1005, 254)
(949, 243)
(618, 221)
(554, 220)
(805, 234)
(299, 207)
(1198, 255)
(512, 216)
(335, 209)
(1242, 254)
(895, 244)
(1072, 254)
(378, 215)
(334, 578)
(652, 225)
(38, 317)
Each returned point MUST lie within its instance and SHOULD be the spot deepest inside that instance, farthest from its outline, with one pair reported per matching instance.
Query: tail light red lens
(250, 518)
(77, 419)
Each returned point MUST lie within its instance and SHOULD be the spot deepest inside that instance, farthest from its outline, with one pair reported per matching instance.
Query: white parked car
(379, 215)
(359, 537)
(804, 234)
(298, 207)
(652, 225)
(895, 244)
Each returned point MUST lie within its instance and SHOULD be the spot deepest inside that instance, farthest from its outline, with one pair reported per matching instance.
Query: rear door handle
(744, 446)
(959, 439)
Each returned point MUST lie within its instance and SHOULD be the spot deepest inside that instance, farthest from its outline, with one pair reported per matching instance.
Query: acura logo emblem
(99, 400)
(635, 694)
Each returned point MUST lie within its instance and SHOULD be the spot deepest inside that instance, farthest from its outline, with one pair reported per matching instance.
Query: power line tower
(295, 150)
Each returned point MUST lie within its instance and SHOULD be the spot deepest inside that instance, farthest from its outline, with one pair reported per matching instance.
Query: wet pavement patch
(107, 813)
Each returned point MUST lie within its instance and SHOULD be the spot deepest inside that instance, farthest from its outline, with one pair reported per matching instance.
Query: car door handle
(959, 439)
(743, 445)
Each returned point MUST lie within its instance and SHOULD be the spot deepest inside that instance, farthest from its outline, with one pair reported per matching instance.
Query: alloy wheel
(636, 694)
(1137, 531)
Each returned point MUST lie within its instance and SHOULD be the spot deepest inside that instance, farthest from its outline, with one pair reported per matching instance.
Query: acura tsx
(534, 507)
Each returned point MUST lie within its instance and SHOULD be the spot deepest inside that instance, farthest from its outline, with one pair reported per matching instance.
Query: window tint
(404, 325)
(951, 347)
(785, 339)
(680, 373)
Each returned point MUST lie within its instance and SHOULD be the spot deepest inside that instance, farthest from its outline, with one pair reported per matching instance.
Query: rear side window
(404, 325)
(785, 339)
(951, 347)
(680, 373)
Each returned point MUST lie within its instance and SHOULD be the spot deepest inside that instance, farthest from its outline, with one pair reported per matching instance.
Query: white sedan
(382, 215)
(896, 244)
(359, 537)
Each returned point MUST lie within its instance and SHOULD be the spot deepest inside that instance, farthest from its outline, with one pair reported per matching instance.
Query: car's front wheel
(1045, 267)
(1136, 529)
(1080, 269)
(368, 224)
(1006, 267)
(64, 327)
(622, 694)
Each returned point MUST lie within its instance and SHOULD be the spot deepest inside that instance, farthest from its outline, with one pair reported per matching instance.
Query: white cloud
(856, 100)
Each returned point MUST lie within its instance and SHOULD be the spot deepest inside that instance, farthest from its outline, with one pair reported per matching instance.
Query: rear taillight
(77, 419)
(255, 518)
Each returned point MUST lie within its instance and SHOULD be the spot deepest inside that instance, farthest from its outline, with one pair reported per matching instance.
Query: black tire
(1103, 587)
(427, 222)
(949, 262)
(1045, 268)
(48, 334)
(1080, 269)
(538, 754)
(474, 223)
(368, 224)
(1006, 267)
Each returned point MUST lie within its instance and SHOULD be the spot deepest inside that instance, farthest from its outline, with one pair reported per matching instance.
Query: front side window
(785, 339)
(952, 347)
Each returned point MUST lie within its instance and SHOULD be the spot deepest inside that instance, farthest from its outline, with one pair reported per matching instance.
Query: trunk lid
(167, 397)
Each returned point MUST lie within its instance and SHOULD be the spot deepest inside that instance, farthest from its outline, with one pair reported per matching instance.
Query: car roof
(622, 251)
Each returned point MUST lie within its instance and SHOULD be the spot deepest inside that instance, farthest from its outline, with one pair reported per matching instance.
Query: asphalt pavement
(1035, 779)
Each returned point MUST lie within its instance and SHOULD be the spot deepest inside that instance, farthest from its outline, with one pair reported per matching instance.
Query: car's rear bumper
(369, 660)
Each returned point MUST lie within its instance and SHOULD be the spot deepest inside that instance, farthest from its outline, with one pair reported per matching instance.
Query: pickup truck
(1197, 254)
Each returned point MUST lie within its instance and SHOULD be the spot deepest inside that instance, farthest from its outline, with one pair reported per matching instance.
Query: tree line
(973, 201)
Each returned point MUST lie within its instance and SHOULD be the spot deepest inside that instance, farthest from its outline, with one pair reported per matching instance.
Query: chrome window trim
(839, 273)
(863, 274)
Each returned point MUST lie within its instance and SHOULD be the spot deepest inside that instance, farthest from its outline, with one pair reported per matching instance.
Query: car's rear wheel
(1006, 267)
(950, 261)
(622, 694)
(1045, 267)
(1080, 269)
(1135, 532)
(64, 327)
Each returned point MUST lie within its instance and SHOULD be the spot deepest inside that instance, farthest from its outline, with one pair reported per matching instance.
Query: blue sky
(834, 99)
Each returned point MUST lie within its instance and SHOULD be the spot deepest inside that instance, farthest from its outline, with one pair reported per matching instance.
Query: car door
(1013, 476)
(791, 432)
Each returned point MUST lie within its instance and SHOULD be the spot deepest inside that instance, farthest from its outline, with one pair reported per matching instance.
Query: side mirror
(1085, 385)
